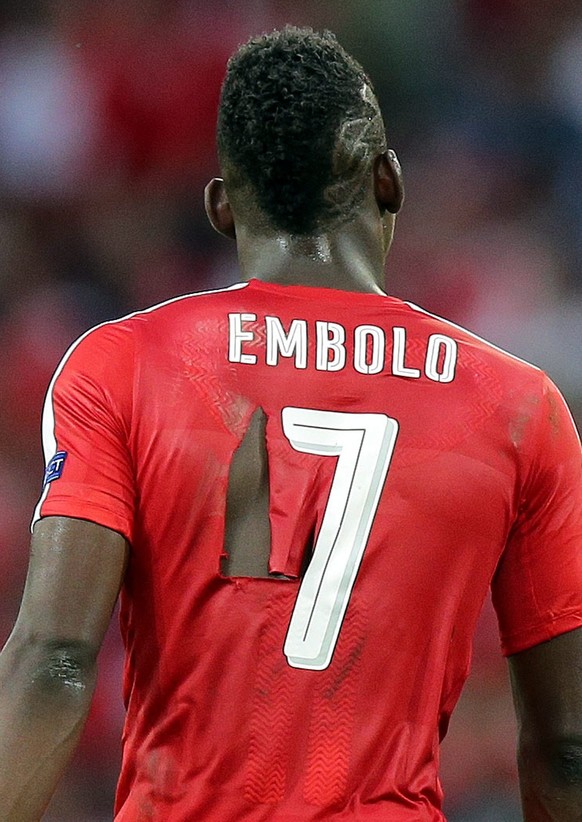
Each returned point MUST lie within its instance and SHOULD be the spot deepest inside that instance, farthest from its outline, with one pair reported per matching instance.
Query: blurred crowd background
(107, 115)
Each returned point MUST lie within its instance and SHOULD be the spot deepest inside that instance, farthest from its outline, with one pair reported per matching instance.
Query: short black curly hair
(298, 127)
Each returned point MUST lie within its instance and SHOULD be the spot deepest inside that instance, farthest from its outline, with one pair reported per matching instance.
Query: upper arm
(547, 689)
(537, 588)
(75, 572)
(84, 519)
(86, 428)
(537, 591)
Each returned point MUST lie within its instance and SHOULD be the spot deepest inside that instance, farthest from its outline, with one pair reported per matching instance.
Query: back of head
(298, 130)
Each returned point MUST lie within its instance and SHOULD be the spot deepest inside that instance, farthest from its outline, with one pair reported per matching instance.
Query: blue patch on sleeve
(55, 467)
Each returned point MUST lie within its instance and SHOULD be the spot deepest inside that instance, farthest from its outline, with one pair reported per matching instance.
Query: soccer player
(303, 488)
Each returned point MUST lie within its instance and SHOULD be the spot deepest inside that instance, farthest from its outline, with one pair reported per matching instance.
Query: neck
(350, 258)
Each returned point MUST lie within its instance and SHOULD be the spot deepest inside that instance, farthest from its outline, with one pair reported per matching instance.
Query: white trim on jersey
(502, 351)
(48, 434)
(471, 334)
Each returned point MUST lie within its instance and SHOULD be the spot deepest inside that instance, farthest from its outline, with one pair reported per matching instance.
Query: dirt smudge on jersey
(519, 424)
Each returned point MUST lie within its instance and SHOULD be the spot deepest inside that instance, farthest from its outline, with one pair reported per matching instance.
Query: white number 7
(363, 444)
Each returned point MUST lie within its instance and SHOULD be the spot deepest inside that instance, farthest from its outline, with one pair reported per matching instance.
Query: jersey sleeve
(537, 588)
(85, 432)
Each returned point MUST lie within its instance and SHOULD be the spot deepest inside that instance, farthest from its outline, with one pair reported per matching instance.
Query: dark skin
(350, 257)
(547, 690)
(48, 666)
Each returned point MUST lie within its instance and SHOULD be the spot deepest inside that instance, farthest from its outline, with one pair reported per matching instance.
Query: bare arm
(48, 665)
(547, 689)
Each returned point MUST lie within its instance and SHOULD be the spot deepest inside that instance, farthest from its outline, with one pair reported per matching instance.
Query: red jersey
(413, 462)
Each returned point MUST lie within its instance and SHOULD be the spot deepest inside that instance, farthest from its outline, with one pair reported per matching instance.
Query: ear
(218, 208)
(388, 183)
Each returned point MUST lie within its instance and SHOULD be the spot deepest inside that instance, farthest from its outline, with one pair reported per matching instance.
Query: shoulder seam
(164, 303)
(489, 344)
